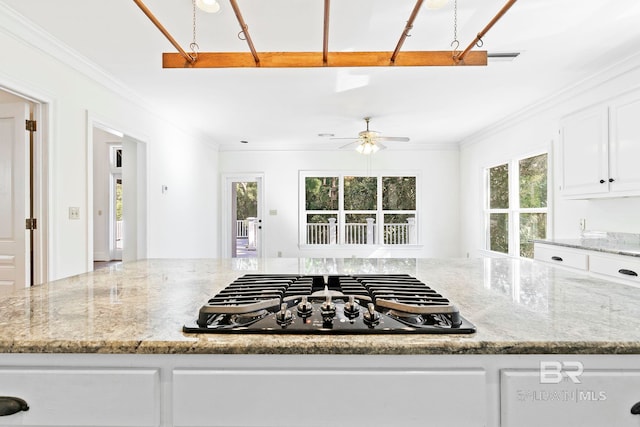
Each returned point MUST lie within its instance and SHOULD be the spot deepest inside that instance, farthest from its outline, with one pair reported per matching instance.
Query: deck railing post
(333, 231)
(413, 234)
(252, 232)
(370, 231)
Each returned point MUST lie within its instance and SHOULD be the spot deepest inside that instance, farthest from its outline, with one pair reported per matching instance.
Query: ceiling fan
(369, 141)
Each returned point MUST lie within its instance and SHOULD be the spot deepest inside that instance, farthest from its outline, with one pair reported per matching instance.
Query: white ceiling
(561, 43)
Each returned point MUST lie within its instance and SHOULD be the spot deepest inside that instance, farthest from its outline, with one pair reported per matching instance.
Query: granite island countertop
(518, 307)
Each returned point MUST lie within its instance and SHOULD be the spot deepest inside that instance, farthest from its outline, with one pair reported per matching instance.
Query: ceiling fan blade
(393, 138)
(352, 145)
(353, 137)
(381, 146)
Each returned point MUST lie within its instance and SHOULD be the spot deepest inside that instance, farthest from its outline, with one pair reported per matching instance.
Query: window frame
(341, 213)
(514, 210)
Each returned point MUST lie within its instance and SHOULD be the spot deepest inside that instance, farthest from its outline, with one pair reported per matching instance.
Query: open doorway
(107, 197)
(119, 197)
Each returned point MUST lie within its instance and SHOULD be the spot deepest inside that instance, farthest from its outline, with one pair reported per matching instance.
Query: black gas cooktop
(343, 304)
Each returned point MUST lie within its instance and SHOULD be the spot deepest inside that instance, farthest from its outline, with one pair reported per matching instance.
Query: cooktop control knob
(351, 308)
(304, 308)
(328, 309)
(371, 317)
(284, 316)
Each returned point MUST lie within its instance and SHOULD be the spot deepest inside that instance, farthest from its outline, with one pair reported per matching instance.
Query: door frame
(42, 194)
(139, 241)
(227, 205)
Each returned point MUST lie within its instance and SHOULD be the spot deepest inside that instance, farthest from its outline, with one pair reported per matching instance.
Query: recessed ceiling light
(325, 135)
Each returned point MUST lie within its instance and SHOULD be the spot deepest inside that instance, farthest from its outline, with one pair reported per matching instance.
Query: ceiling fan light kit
(195, 59)
(368, 141)
(367, 147)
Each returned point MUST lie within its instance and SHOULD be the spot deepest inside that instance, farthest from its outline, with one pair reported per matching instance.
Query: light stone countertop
(518, 307)
(612, 243)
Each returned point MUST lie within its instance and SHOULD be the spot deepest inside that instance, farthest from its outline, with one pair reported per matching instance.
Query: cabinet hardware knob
(556, 258)
(635, 409)
(602, 181)
(611, 179)
(10, 405)
(627, 272)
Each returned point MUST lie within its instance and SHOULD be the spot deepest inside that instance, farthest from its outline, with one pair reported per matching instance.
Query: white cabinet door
(624, 144)
(333, 397)
(83, 397)
(567, 257)
(591, 399)
(619, 266)
(584, 152)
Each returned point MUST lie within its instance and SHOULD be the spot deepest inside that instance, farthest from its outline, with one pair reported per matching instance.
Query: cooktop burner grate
(286, 303)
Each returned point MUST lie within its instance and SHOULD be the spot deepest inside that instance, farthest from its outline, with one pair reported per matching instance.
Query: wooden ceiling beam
(407, 28)
(245, 30)
(484, 31)
(163, 30)
(325, 37)
(315, 59)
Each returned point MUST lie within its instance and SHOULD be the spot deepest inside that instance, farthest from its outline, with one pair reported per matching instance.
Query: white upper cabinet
(624, 144)
(584, 152)
(600, 150)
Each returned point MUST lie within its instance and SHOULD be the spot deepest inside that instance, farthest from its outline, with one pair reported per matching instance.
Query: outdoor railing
(242, 228)
(396, 234)
(119, 235)
(361, 234)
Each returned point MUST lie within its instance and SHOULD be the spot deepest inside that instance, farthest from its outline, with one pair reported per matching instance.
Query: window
(357, 210)
(516, 205)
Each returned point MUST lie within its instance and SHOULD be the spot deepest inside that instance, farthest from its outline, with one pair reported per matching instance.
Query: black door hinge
(31, 224)
(31, 125)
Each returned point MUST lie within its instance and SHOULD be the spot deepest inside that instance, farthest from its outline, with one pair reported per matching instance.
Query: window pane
(499, 232)
(321, 231)
(321, 193)
(532, 226)
(533, 182)
(360, 192)
(246, 200)
(499, 187)
(399, 193)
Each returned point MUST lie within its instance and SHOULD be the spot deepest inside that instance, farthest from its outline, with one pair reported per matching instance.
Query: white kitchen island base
(320, 390)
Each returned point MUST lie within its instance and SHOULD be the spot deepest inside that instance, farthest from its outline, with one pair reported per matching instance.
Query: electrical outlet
(74, 213)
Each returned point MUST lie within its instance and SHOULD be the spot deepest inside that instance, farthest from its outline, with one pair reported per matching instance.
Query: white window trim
(514, 210)
(379, 212)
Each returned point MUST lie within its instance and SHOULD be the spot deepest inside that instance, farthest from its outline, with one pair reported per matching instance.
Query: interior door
(14, 200)
(246, 226)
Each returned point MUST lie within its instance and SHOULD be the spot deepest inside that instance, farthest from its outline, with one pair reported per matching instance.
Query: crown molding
(591, 82)
(405, 147)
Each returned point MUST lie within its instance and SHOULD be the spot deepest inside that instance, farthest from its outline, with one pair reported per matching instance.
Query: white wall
(438, 199)
(536, 129)
(181, 223)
